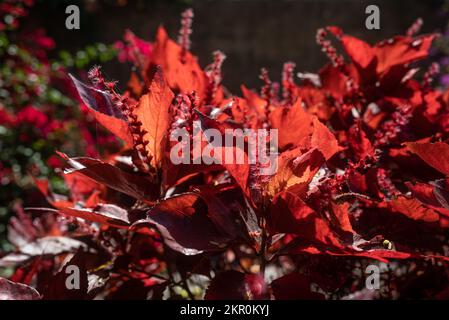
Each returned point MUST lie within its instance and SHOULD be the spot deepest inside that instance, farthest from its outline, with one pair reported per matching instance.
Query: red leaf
(100, 105)
(308, 131)
(289, 214)
(359, 51)
(413, 209)
(294, 169)
(174, 174)
(81, 187)
(323, 139)
(107, 214)
(134, 185)
(341, 213)
(286, 118)
(153, 112)
(377, 254)
(316, 102)
(240, 172)
(401, 50)
(434, 154)
(424, 193)
(359, 142)
(333, 81)
(253, 99)
(183, 73)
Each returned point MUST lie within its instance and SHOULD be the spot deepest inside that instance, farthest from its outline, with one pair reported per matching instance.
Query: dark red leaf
(58, 288)
(434, 154)
(294, 286)
(107, 214)
(134, 185)
(413, 209)
(105, 112)
(16, 291)
(234, 285)
(180, 67)
(184, 224)
(285, 118)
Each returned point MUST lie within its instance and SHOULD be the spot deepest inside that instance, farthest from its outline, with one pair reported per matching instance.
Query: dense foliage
(362, 180)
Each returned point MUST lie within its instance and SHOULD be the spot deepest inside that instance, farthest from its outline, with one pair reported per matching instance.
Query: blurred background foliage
(38, 110)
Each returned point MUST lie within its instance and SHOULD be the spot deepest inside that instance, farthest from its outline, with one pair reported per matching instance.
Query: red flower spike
(328, 49)
(215, 77)
(185, 31)
(288, 82)
(433, 70)
(414, 28)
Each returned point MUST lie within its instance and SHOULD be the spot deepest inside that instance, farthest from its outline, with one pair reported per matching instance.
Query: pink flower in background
(42, 40)
(54, 161)
(32, 116)
(6, 118)
(133, 49)
(39, 42)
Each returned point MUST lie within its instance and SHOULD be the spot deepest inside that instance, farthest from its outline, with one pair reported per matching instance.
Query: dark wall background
(252, 33)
